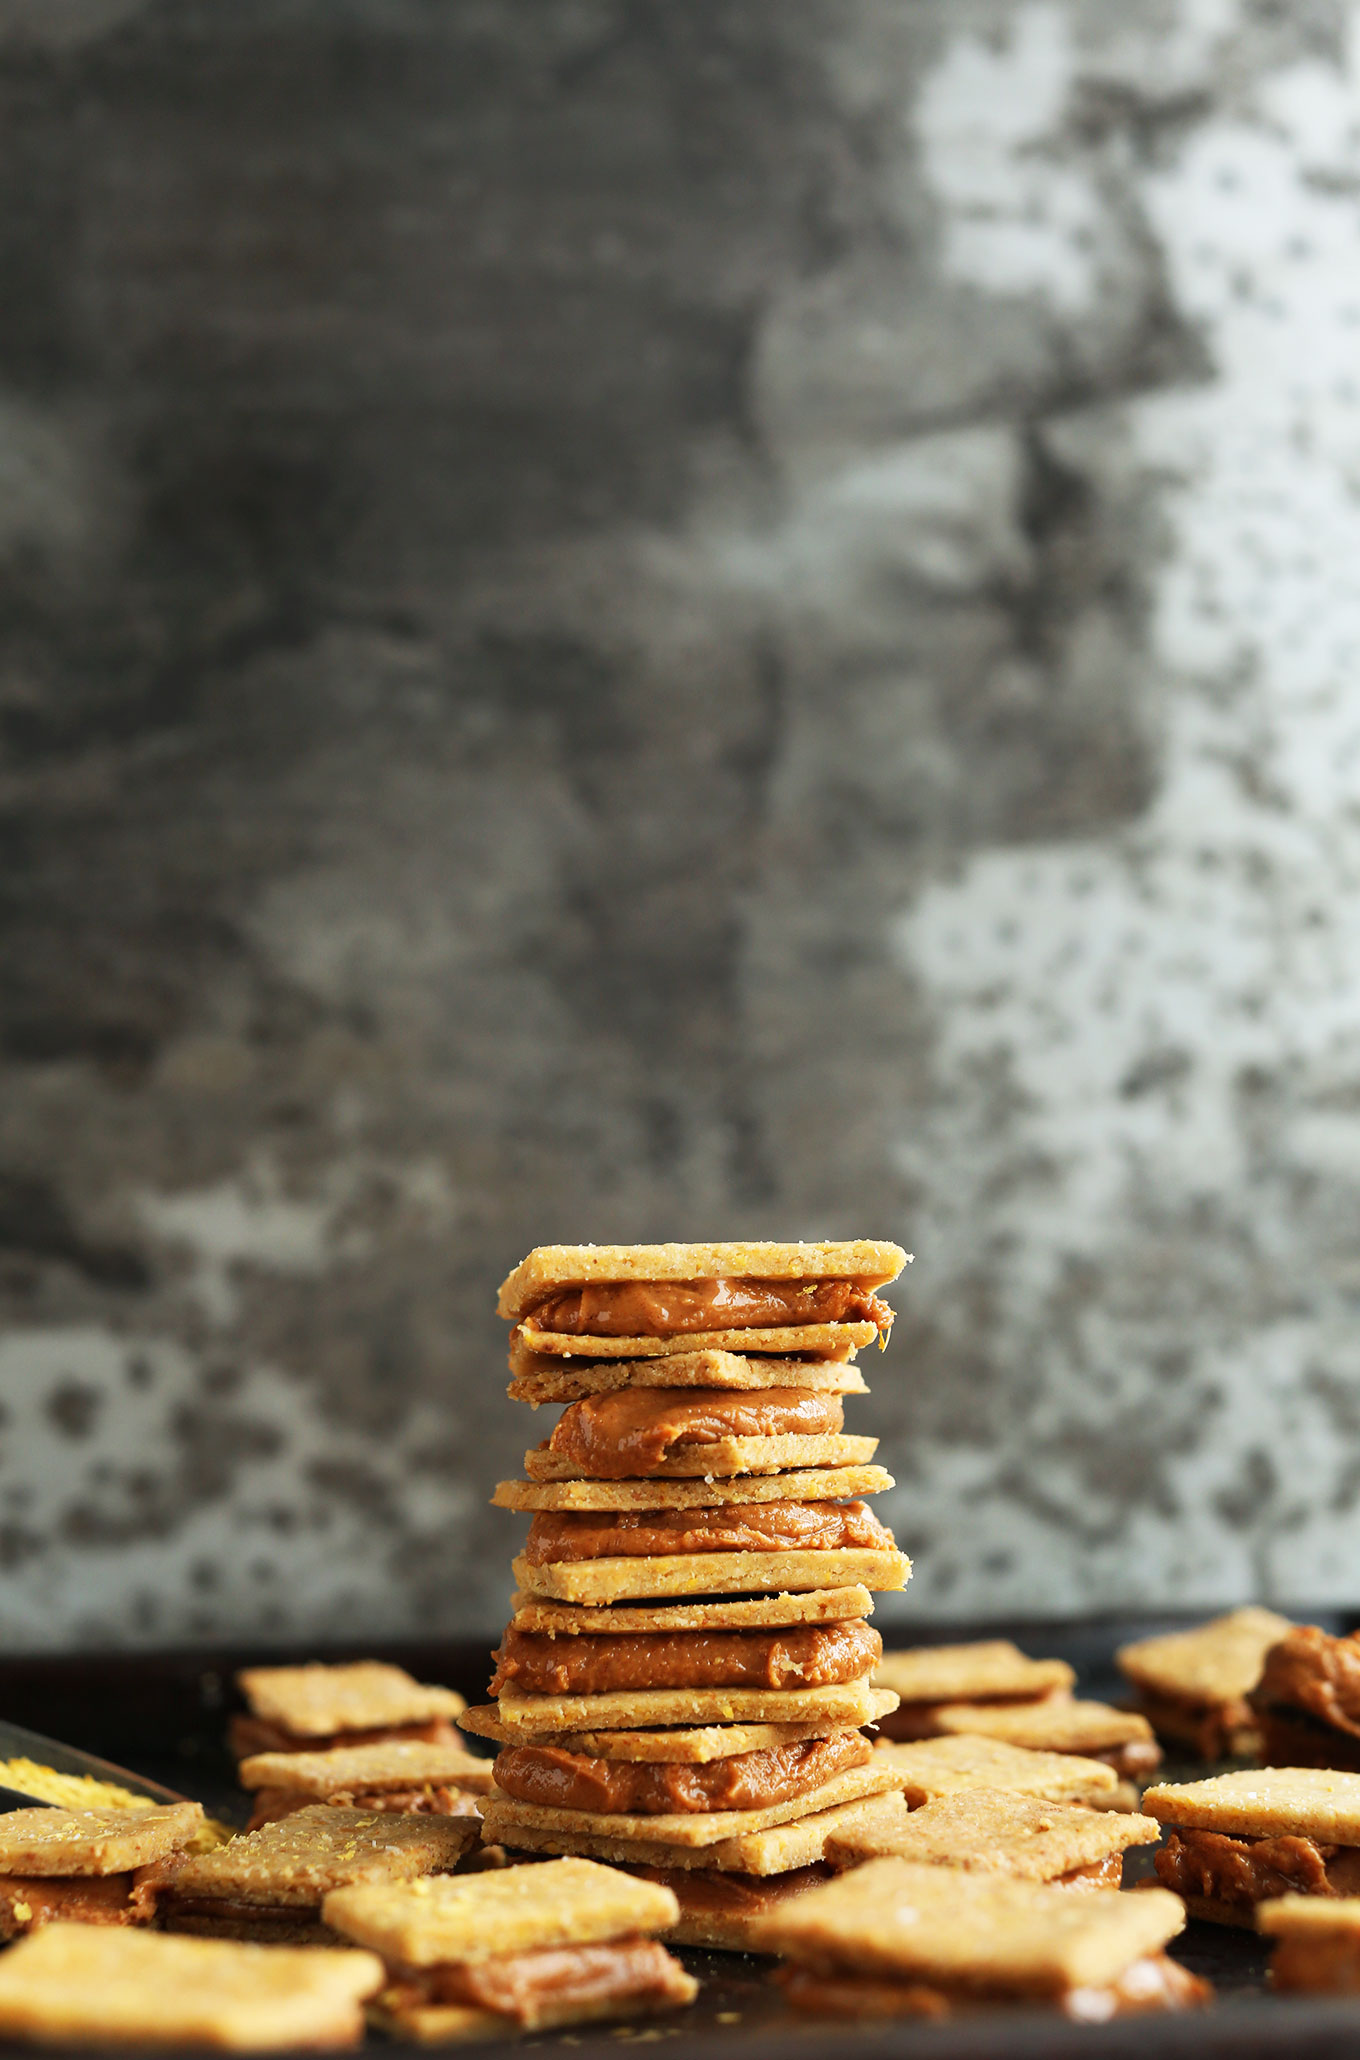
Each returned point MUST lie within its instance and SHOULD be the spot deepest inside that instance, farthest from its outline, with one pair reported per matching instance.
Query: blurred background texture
(627, 620)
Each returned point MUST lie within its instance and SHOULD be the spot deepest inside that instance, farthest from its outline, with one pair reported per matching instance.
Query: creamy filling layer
(805, 1656)
(558, 1535)
(1311, 1671)
(272, 1804)
(520, 1985)
(550, 1775)
(663, 1308)
(632, 1430)
(1222, 1869)
(249, 1734)
(27, 1903)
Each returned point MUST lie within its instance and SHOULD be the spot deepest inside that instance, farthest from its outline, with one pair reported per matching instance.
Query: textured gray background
(632, 620)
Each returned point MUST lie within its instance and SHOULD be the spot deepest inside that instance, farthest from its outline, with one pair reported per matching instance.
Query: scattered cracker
(623, 1578)
(683, 1746)
(941, 1766)
(454, 1919)
(997, 1831)
(722, 1458)
(1320, 1916)
(992, 1667)
(86, 1985)
(504, 1817)
(297, 1859)
(56, 1841)
(1264, 1802)
(767, 1612)
(367, 1769)
(317, 1701)
(812, 1484)
(777, 1850)
(895, 1918)
(557, 1266)
(1088, 1727)
(1216, 1662)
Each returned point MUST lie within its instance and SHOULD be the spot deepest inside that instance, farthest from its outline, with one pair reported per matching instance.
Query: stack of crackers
(682, 1685)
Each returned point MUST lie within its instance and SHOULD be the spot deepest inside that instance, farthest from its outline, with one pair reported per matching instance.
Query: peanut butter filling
(631, 1431)
(663, 1308)
(805, 1656)
(27, 1903)
(557, 1535)
(271, 1804)
(550, 1775)
(519, 1984)
(1310, 1671)
(248, 1734)
(1242, 1871)
(1152, 1983)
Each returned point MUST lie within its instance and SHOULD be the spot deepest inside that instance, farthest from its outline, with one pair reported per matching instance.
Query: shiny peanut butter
(1251, 1870)
(662, 1308)
(1317, 1674)
(514, 1983)
(806, 1656)
(748, 1781)
(557, 1535)
(27, 1904)
(631, 1431)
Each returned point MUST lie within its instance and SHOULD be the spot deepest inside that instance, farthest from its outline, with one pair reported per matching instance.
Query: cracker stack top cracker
(644, 1717)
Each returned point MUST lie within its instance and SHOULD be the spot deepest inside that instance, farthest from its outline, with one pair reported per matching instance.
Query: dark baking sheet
(162, 1716)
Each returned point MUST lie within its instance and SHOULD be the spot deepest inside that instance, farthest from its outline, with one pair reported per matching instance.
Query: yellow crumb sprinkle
(84, 1792)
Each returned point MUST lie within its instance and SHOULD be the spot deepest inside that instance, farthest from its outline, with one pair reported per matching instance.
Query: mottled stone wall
(627, 620)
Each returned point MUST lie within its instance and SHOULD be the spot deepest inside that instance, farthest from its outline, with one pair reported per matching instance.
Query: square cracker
(942, 1766)
(1088, 1727)
(503, 1816)
(824, 1340)
(777, 1850)
(811, 1484)
(1311, 1916)
(317, 1701)
(991, 1668)
(1264, 1802)
(558, 1266)
(688, 1747)
(533, 1716)
(822, 1606)
(997, 1831)
(450, 1920)
(542, 1378)
(367, 1769)
(1216, 1662)
(623, 1578)
(724, 1457)
(68, 1842)
(896, 1918)
(296, 1860)
(81, 1984)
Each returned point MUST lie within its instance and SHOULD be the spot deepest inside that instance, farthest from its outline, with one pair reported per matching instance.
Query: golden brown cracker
(1216, 1662)
(64, 1842)
(79, 1984)
(446, 1920)
(367, 1769)
(1310, 1916)
(692, 1746)
(811, 1484)
(722, 1458)
(626, 1579)
(318, 1701)
(988, 1669)
(821, 1606)
(532, 1716)
(777, 1850)
(549, 1267)
(298, 1859)
(1264, 1802)
(997, 1831)
(1085, 1727)
(821, 1340)
(895, 1917)
(941, 1766)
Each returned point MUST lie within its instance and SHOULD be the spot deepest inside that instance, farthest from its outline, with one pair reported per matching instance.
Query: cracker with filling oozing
(504, 1817)
(317, 1701)
(942, 1766)
(991, 1668)
(1264, 1802)
(298, 1859)
(550, 1267)
(447, 1920)
(66, 1842)
(395, 1763)
(999, 1831)
(78, 1984)
(935, 1923)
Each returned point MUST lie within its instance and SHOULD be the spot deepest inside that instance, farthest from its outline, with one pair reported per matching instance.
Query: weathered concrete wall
(625, 621)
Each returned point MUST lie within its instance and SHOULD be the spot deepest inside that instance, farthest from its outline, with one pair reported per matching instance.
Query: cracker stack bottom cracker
(682, 1684)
